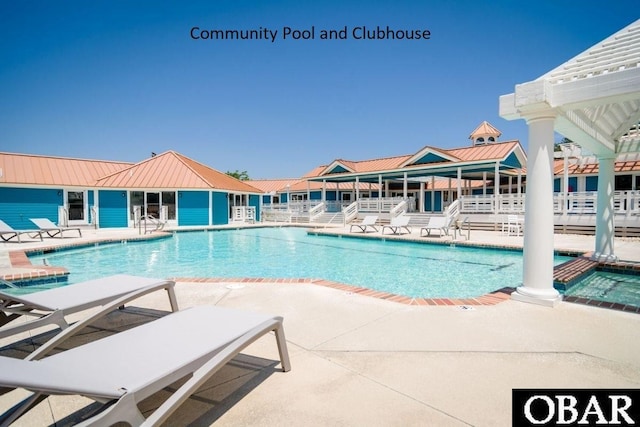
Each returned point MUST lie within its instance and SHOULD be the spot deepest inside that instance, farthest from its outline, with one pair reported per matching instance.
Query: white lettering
(567, 404)
(593, 408)
(550, 405)
(617, 410)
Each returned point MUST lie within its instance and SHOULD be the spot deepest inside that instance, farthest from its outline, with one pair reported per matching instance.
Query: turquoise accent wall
(90, 200)
(283, 198)
(591, 183)
(17, 205)
(330, 195)
(112, 208)
(429, 158)
(315, 195)
(220, 208)
(438, 201)
(193, 208)
(254, 200)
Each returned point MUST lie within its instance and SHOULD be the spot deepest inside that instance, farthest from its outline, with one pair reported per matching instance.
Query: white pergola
(594, 100)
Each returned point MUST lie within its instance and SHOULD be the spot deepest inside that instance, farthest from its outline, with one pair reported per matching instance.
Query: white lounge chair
(440, 223)
(397, 224)
(7, 233)
(121, 370)
(369, 221)
(52, 230)
(53, 305)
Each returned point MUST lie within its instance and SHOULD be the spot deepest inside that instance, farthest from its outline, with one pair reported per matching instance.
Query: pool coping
(20, 259)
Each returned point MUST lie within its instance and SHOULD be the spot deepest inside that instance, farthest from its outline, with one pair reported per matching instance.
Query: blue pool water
(608, 286)
(405, 268)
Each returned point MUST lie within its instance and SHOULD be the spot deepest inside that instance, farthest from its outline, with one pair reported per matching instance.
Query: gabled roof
(429, 155)
(29, 169)
(485, 128)
(362, 166)
(269, 185)
(173, 170)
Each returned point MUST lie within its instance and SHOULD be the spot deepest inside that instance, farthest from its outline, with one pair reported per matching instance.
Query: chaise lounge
(45, 225)
(397, 224)
(440, 223)
(54, 305)
(369, 221)
(121, 370)
(8, 233)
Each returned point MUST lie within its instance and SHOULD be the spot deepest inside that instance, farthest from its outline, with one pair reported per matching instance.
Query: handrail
(350, 212)
(94, 216)
(460, 227)
(398, 209)
(63, 216)
(158, 224)
(316, 211)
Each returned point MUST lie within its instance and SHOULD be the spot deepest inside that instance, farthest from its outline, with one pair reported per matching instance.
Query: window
(623, 182)
(75, 203)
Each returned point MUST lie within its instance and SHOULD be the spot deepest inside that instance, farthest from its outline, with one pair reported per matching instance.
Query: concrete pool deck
(366, 361)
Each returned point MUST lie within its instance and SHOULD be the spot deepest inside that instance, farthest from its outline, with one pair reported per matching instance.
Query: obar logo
(575, 407)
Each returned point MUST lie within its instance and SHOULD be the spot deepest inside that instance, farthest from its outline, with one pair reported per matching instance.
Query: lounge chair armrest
(206, 371)
(44, 349)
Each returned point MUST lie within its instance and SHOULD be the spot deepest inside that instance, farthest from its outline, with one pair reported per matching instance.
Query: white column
(484, 183)
(357, 184)
(605, 212)
(309, 194)
(565, 182)
(404, 186)
(421, 198)
(433, 193)
(324, 191)
(459, 185)
(496, 188)
(537, 281)
(379, 187)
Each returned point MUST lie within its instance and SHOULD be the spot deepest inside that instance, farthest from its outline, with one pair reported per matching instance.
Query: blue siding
(330, 195)
(254, 200)
(438, 201)
(557, 185)
(17, 205)
(112, 208)
(592, 183)
(429, 158)
(315, 195)
(283, 198)
(220, 208)
(193, 208)
(90, 199)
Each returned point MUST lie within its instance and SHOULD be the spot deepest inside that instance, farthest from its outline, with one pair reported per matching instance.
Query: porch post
(565, 182)
(324, 191)
(484, 183)
(357, 184)
(433, 193)
(605, 211)
(404, 186)
(537, 281)
(459, 184)
(496, 188)
(421, 198)
(380, 187)
(309, 194)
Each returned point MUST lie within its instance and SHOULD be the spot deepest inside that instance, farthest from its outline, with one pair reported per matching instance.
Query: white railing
(380, 205)
(453, 210)
(244, 214)
(398, 209)
(63, 216)
(316, 211)
(624, 203)
(350, 212)
(94, 216)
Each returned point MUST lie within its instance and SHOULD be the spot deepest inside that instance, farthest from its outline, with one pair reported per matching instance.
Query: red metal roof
(173, 170)
(29, 169)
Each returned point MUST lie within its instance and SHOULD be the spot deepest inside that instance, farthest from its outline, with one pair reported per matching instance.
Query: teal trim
(254, 200)
(337, 169)
(591, 183)
(112, 210)
(512, 161)
(430, 158)
(17, 205)
(193, 208)
(220, 208)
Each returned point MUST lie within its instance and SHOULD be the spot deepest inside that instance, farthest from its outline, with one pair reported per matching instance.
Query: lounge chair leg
(282, 349)
(124, 410)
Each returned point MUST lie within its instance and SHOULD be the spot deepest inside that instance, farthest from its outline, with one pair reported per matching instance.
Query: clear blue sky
(116, 80)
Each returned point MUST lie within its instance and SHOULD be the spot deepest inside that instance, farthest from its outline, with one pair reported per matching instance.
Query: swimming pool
(608, 286)
(404, 268)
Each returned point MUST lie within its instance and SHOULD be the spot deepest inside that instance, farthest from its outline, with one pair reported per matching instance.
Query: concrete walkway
(358, 360)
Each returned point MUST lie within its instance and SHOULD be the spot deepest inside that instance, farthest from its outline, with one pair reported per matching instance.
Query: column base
(602, 257)
(546, 297)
